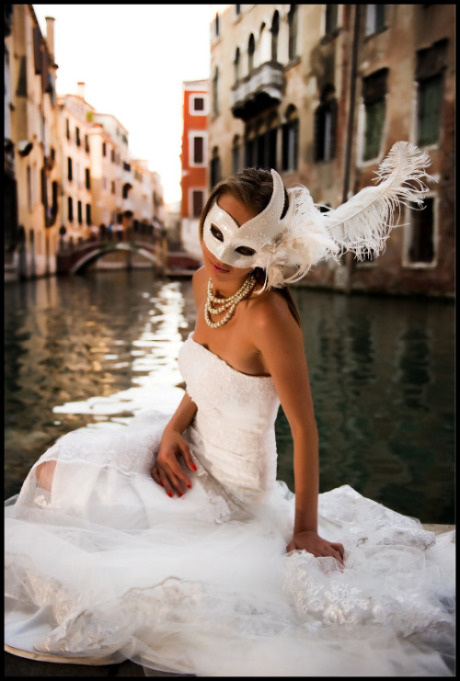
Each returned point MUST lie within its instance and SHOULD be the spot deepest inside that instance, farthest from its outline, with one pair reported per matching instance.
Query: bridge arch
(88, 257)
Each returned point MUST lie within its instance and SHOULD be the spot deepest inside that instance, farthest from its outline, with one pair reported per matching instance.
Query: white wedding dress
(106, 566)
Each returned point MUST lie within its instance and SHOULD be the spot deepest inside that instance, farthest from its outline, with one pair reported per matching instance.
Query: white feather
(363, 223)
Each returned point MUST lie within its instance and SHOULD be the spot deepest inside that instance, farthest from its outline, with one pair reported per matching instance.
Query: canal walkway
(15, 666)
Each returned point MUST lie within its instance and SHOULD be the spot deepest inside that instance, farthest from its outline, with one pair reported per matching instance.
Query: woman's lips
(219, 269)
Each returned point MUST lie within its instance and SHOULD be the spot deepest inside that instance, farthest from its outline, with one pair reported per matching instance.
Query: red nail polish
(189, 486)
(170, 494)
(194, 467)
(180, 494)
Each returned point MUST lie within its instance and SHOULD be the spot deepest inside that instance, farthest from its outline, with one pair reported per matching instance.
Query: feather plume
(363, 223)
(302, 242)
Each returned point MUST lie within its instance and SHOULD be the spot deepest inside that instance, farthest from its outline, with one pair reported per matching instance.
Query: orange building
(194, 162)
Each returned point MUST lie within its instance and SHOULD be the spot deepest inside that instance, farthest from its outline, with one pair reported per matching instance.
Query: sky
(133, 60)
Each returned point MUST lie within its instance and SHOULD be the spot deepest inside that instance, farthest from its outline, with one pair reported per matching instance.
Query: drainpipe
(349, 144)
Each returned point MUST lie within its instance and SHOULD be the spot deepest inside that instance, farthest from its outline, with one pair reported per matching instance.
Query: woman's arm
(279, 339)
(168, 470)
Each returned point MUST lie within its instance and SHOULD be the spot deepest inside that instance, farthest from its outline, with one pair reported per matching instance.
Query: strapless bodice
(235, 419)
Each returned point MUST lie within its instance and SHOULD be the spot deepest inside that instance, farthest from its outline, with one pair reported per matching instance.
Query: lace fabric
(105, 564)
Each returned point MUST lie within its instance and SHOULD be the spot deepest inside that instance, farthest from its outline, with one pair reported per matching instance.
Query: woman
(233, 574)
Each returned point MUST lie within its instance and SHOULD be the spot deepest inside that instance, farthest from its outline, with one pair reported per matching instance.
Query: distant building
(32, 149)
(320, 93)
(77, 179)
(69, 175)
(194, 162)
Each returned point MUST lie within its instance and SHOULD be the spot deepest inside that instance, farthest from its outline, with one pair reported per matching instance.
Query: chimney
(50, 35)
(81, 89)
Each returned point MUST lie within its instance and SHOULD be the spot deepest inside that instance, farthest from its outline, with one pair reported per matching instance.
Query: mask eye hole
(217, 234)
(245, 250)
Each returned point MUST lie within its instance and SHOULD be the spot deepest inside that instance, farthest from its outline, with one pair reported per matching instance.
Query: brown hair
(253, 187)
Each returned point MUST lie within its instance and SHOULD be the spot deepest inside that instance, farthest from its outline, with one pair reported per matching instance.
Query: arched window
(326, 125)
(275, 29)
(237, 66)
(214, 174)
(250, 147)
(251, 50)
(215, 92)
(261, 145)
(291, 139)
(272, 141)
(292, 19)
(236, 153)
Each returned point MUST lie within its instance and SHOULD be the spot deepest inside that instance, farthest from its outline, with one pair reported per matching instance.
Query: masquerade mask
(240, 246)
(287, 248)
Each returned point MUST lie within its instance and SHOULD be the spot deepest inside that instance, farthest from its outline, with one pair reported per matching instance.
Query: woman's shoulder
(269, 308)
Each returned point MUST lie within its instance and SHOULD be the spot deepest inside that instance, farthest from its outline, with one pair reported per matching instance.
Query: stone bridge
(74, 260)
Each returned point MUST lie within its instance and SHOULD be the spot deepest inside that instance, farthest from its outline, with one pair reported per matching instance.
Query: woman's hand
(167, 470)
(311, 541)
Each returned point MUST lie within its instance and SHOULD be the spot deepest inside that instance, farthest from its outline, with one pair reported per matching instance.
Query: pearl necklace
(222, 304)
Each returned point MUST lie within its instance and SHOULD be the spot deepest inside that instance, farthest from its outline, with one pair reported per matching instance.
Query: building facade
(32, 149)
(321, 93)
(194, 162)
(69, 175)
(74, 128)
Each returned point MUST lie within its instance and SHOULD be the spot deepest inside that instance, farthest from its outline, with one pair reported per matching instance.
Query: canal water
(91, 351)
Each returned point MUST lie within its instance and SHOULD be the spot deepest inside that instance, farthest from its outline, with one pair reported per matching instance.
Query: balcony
(261, 89)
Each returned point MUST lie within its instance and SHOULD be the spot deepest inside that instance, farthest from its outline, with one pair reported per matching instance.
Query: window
(197, 202)
(112, 155)
(88, 214)
(87, 178)
(331, 19)
(104, 149)
(272, 141)
(87, 143)
(216, 25)
(292, 19)
(251, 50)
(197, 150)
(275, 32)
(70, 209)
(260, 151)
(290, 140)
(67, 128)
(198, 105)
(421, 242)
(250, 148)
(29, 189)
(374, 92)
(113, 189)
(77, 137)
(429, 110)
(237, 66)
(214, 169)
(215, 92)
(236, 154)
(69, 169)
(237, 10)
(375, 18)
(326, 125)
(54, 194)
(431, 63)
(79, 213)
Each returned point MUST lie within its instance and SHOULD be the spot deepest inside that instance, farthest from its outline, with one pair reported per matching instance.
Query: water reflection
(96, 349)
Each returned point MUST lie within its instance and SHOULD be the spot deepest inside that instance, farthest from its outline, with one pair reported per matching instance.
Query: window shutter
(319, 134)
(431, 61)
